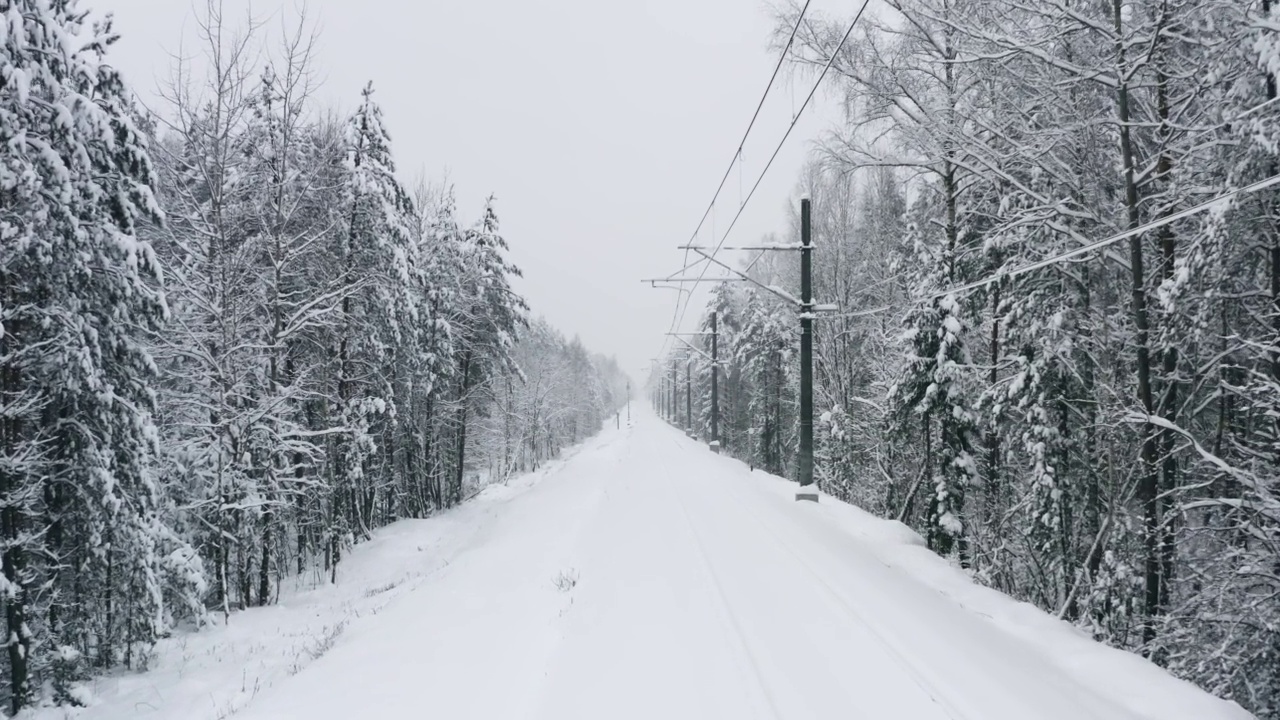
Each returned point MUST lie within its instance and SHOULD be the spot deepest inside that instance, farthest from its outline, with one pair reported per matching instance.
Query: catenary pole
(688, 395)
(675, 394)
(715, 385)
(805, 475)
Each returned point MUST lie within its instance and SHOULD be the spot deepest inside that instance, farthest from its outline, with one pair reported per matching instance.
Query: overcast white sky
(603, 127)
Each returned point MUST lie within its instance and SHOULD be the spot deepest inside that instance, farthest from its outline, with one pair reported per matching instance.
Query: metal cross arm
(741, 275)
(700, 248)
(654, 281)
(815, 311)
(657, 285)
(692, 347)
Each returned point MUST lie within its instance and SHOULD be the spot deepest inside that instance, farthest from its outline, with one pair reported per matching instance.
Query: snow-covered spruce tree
(727, 302)
(766, 349)
(87, 563)
(488, 317)
(930, 401)
(378, 313)
(424, 368)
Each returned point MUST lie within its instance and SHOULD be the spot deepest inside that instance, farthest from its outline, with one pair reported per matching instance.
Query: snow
(703, 590)
(216, 672)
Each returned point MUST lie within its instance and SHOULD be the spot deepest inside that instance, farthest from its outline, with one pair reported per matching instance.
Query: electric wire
(683, 307)
(737, 157)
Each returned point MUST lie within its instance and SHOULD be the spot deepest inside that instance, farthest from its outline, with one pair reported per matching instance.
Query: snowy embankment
(213, 673)
(1123, 679)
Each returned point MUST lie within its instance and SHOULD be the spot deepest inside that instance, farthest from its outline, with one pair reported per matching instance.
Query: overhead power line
(737, 154)
(822, 76)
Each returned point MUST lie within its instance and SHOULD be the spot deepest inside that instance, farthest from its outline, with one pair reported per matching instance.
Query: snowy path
(704, 591)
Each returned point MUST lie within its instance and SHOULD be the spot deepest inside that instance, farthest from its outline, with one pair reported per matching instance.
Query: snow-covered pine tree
(87, 563)
(930, 402)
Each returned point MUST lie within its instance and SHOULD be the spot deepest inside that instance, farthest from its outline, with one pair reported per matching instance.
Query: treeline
(1098, 435)
(232, 343)
(561, 395)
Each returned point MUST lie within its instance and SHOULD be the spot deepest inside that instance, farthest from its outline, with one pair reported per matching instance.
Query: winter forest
(232, 342)
(1092, 427)
(236, 343)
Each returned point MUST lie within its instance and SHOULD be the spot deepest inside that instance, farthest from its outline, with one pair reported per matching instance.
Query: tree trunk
(11, 530)
(993, 495)
(462, 425)
(264, 566)
(1093, 494)
(1272, 170)
(1148, 486)
(1168, 363)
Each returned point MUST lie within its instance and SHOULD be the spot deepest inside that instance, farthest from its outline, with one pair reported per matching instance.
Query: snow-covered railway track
(733, 625)
(949, 707)
(860, 696)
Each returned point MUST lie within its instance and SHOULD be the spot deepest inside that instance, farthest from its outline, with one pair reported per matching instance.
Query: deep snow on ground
(213, 673)
(646, 577)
